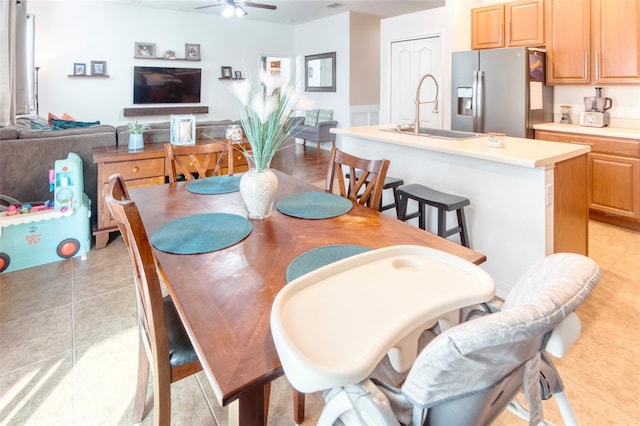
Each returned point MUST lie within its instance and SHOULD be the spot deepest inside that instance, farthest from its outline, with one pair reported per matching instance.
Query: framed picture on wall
(238, 75)
(98, 68)
(145, 50)
(226, 72)
(192, 51)
(79, 69)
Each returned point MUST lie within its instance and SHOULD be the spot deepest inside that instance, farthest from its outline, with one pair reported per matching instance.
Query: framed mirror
(320, 72)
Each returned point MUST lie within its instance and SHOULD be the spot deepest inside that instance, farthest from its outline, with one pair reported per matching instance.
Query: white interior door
(410, 60)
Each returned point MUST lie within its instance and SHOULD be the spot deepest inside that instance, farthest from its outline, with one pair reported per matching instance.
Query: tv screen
(162, 85)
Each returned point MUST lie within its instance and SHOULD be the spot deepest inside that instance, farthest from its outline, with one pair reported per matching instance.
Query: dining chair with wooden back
(366, 177)
(200, 161)
(164, 343)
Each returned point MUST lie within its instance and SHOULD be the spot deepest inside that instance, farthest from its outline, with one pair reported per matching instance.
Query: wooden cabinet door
(616, 41)
(568, 41)
(487, 27)
(525, 23)
(615, 185)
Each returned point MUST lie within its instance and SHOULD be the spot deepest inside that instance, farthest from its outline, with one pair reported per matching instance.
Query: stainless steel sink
(434, 133)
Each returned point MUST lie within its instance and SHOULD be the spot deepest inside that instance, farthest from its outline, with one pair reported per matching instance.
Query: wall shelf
(88, 76)
(166, 59)
(230, 78)
(165, 110)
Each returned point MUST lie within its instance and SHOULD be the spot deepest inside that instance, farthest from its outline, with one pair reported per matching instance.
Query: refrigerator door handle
(480, 102)
(474, 102)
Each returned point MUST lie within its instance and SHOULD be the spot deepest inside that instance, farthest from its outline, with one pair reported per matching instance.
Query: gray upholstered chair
(314, 127)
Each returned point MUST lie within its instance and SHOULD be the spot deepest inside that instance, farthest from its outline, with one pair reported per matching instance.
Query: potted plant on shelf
(136, 129)
(265, 111)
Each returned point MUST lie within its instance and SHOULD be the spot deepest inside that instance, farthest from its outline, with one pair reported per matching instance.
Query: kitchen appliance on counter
(500, 90)
(595, 110)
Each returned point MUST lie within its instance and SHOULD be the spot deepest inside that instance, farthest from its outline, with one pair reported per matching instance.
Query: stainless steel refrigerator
(500, 90)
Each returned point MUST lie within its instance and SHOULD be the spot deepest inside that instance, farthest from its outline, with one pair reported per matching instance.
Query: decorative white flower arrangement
(265, 111)
(138, 127)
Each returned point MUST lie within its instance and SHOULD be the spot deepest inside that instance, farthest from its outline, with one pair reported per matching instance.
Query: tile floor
(68, 346)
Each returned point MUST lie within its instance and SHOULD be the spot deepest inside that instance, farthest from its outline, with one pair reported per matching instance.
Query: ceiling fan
(236, 7)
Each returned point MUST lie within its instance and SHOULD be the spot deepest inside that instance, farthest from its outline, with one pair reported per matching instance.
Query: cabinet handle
(136, 169)
(586, 64)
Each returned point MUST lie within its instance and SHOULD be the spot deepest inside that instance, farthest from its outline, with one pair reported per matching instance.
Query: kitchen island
(528, 199)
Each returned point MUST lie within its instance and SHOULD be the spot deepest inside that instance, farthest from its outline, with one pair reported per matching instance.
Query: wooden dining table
(224, 298)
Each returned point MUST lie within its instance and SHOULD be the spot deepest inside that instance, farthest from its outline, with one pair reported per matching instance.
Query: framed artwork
(226, 72)
(192, 51)
(98, 68)
(183, 129)
(169, 54)
(79, 69)
(238, 74)
(145, 50)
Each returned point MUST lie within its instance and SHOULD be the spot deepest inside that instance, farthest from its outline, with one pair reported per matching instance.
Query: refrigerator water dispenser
(465, 101)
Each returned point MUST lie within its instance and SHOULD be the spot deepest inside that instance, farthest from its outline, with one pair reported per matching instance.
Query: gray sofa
(27, 155)
(318, 133)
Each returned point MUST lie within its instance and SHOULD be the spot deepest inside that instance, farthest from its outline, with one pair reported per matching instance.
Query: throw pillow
(67, 117)
(325, 115)
(311, 117)
(51, 118)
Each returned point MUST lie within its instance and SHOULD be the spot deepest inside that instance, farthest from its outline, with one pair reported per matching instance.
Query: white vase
(136, 141)
(258, 190)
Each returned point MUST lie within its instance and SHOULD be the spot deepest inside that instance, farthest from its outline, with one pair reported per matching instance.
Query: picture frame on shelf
(238, 75)
(226, 72)
(168, 54)
(145, 50)
(98, 67)
(182, 129)
(192, 51)
(79, 69)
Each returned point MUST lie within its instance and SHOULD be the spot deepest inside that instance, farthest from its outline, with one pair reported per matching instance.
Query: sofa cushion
(8, 132)
(311, 117)
(325, 115)
(27, 133)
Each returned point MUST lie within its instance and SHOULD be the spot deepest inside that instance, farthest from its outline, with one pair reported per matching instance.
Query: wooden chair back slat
(202, 160)
(366, 177)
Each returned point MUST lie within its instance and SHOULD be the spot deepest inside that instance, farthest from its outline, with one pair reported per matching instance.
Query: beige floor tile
(24, 297)
(115, 250)
(93, 280)
(607, 243)
(40, 394)
(29, 340)
(103, 316)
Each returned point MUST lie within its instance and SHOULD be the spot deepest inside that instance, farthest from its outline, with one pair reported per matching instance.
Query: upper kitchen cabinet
(594, 41)
(616, 41)
(517, 23)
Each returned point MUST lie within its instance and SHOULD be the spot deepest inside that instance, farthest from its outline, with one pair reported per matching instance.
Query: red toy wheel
(5, 260)
(68, 248)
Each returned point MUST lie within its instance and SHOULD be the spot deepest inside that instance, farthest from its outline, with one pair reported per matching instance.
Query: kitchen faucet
(418, 103)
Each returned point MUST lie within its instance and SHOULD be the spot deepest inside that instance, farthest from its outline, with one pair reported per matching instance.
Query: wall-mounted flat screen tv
(162, 85)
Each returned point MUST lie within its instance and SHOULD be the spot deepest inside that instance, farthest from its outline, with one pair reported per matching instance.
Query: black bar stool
(389, 183)
(440, 200)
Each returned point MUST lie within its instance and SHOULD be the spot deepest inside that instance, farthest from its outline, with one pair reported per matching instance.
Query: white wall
(80, 31)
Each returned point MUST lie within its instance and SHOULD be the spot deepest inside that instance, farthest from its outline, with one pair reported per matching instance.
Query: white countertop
(517, 151)
(614, 132)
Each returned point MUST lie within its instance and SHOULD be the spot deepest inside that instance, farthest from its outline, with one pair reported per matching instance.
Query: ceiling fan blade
(258, 5)
(205, 7)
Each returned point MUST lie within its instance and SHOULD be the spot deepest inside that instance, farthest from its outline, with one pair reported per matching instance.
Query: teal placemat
(214, 185)
(201, 233)
(314, 205)
(321, 256)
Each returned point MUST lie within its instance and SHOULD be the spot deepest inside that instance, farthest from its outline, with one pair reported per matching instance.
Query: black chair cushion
(432, 197)
(180, 349)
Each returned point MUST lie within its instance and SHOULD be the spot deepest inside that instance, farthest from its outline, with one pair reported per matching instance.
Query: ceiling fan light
(228, 11)
(240, 12)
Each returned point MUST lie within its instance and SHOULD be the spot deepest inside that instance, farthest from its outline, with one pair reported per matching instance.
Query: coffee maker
(595, 108)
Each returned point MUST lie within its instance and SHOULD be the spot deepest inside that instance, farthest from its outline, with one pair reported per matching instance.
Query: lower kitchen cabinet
(613, 176)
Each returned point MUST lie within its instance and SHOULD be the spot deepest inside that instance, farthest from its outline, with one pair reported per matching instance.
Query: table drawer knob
(136, 169)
